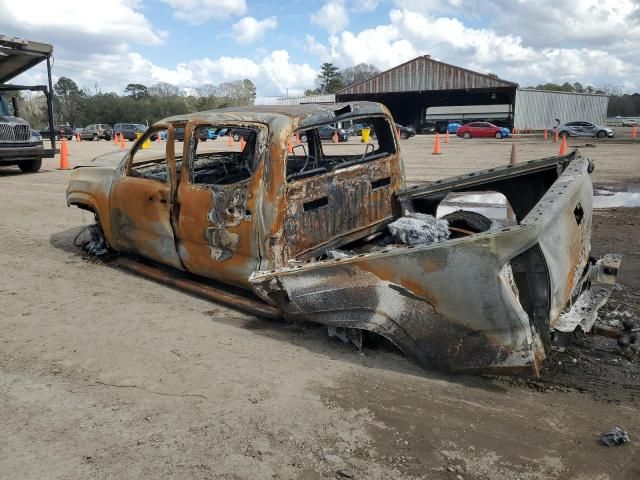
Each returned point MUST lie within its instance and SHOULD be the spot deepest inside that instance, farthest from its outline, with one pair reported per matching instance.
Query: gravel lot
(104, 374)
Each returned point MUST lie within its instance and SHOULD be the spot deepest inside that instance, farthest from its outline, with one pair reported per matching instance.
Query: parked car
(584, 129)
(61, 131)
(336, 238)
(629, 122)
(356, 129)
(97, 132)
(203, 134)
(131, 131)
(326, 132)
(482, 129)
(405, 132)
(453, 127)
(427, 128)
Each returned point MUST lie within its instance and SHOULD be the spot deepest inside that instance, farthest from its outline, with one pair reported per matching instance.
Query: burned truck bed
(488, 301)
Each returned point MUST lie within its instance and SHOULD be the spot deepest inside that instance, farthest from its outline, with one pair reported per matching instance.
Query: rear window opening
(222, 154)
(326, 148)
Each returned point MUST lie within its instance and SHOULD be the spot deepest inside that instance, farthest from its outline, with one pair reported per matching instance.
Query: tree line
(138, 103)
(141, 104)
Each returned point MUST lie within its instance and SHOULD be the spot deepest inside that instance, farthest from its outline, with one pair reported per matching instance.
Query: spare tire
(467, 220)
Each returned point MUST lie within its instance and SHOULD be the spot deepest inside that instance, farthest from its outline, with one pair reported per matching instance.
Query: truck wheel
(95, 137)
(30, 166)
(467, 220)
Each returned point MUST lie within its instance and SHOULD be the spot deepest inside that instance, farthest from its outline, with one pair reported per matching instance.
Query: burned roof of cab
(306, 115)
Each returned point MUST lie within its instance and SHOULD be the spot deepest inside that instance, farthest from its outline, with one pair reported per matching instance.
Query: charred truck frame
(314, 234)
(19, 143)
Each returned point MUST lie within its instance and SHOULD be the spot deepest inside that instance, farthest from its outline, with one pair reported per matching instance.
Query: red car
(482, 129)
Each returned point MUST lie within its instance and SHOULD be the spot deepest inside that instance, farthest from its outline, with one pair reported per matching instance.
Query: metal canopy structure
(424, 74)
(17, 56)
(412, 87)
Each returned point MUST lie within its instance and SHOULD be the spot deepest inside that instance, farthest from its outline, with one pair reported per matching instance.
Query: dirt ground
(104, 374)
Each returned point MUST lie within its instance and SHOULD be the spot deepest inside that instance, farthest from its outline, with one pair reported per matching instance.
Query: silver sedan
(584, 129)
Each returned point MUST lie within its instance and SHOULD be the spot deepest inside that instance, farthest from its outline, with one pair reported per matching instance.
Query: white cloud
(333, 16)
(198, 12)
(411, 33)
(80, 29)
(365, 5)
(273, 75)
(248, 29)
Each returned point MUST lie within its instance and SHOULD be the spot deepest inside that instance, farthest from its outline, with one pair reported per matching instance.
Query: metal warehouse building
(424, 91)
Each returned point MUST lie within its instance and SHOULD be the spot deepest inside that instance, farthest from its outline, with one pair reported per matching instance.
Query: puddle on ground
(494, 205)
(603, 198)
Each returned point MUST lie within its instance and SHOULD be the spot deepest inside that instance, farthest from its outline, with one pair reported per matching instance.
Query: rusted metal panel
(458, 304)
(421, 74)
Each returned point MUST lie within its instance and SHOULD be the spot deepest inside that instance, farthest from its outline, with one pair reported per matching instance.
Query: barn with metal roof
(424, 93)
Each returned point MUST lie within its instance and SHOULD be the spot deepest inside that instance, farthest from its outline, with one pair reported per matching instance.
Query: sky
(280, 46)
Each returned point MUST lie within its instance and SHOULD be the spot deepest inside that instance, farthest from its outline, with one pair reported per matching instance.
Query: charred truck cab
(329, 232)
(20, 144)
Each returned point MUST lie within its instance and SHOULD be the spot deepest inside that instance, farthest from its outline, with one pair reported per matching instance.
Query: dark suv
(61, 131)
(96, 132)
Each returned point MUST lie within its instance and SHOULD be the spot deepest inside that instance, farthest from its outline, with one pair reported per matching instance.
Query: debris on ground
(616, 436)
(419, 228)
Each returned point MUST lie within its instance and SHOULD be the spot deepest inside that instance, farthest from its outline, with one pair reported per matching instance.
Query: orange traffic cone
(115, 138)
(446, 137)
(243, 143)
(334, 137)
(563, 146)
(229, 139)
(158, 139)
(64, 155)
(436, 146)
(555, 140)
(634, 132)
(297, 138)
(122, 145)
(546, 134)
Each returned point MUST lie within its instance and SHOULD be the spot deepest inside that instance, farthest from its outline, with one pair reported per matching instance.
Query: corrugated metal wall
(423, 73)
(538, 109)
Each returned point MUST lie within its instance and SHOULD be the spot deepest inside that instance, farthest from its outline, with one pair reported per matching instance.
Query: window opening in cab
(326, 148)
(149, 157)
(222, 154)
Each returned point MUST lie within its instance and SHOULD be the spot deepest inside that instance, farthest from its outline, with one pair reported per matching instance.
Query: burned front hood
(108, 160)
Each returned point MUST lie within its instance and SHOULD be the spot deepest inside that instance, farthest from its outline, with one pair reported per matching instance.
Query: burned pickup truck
(328, 232)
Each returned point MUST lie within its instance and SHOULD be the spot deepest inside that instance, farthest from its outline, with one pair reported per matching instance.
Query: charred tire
(601, 134)
(467, 220)
(95, 137)
(498, 135)
(236, 137)
(30, 166)
(466, 135)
